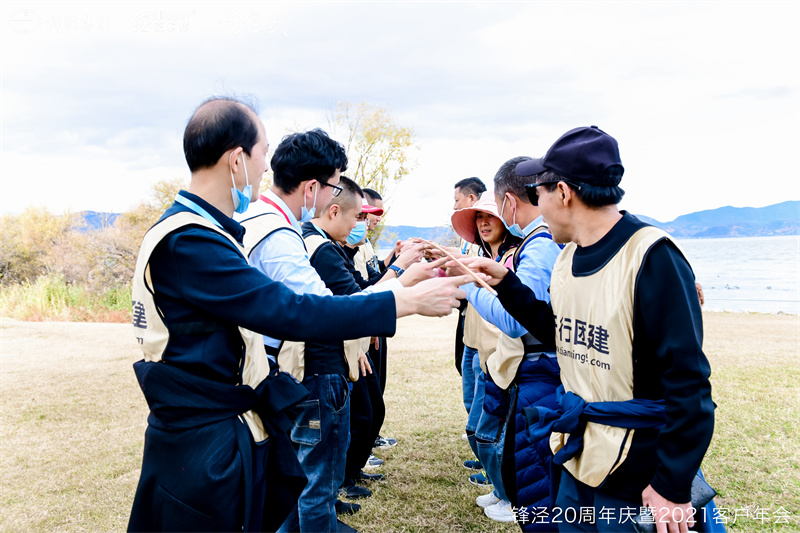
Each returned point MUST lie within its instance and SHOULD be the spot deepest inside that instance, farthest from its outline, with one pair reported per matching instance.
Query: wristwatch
(397, 269)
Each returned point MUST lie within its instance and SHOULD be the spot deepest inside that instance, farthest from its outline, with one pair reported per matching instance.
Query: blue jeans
(468, 375)
(488, 440)
(478, 392)
(321, 434)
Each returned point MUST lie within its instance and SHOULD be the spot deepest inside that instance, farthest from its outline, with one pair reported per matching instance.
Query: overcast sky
(703, 97)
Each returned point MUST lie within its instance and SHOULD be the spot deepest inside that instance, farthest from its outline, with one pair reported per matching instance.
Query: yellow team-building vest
(153, 334)
(504, 363)
(291, 357)
(594, 342)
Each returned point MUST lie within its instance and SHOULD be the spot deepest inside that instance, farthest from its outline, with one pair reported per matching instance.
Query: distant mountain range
(778, 219)
(98, 220)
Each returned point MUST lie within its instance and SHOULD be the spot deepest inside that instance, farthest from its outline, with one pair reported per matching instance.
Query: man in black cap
(636, 415)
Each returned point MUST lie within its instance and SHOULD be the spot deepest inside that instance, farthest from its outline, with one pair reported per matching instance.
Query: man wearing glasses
(306, 169)
(636, 415)
(306, 177)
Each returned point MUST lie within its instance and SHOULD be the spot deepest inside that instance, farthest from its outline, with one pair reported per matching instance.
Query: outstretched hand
(493, 272)
(432, 297)
(420, 272)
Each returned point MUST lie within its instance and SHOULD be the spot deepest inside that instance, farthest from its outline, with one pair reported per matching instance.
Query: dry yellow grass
(73, 421)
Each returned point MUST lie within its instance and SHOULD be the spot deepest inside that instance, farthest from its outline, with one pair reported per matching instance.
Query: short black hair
(593, 195)
(311, 155)
(507, 179)
(219, 124)
(471, 186)
(350, 197)
(372, 195)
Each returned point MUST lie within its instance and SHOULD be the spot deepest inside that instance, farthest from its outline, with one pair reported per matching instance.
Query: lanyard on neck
(276, 206)
(197, 209)
(320, 231)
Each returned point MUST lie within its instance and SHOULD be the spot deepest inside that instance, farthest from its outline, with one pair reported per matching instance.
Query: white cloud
(702, 96)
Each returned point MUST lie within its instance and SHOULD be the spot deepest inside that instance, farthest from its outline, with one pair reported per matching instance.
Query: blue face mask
(241, 199)
(358, 233)
(305, 214)
(514, 228)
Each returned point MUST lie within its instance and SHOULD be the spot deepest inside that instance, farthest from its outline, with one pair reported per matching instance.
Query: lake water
(760, 274)
(747, 274)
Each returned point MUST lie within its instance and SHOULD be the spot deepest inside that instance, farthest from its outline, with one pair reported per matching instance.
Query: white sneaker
(486, 500)
(500, 512)
(464, 437)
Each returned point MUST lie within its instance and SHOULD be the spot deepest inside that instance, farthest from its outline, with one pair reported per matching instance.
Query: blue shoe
(479, 479)
(473, 465)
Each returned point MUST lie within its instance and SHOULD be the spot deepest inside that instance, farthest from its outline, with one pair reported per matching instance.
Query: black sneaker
(354, 492)
(347, 507)
(363, 476)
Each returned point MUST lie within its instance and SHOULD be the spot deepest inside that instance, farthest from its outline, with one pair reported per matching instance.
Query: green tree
(379, 150)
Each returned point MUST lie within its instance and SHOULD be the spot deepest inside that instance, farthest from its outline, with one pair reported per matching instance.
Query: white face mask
(241, 199)
(305, 213)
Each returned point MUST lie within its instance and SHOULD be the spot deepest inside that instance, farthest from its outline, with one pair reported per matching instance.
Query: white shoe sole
(491, 501)
(500, 517)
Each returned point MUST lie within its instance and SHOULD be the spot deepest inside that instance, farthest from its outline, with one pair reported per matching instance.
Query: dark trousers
(367, 412)
(611, 514)
(378, 356)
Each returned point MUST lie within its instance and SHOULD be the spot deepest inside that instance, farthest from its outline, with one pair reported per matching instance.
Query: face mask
(514, 228)
(241, 199)
(305, 214)
(358, 233)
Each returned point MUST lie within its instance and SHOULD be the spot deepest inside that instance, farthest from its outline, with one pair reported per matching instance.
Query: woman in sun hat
(481, 224)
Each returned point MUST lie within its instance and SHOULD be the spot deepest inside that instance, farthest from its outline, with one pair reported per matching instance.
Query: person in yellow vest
(522, 372)
(466, 192)
(199, 311)
(378, 348)
(330, 367)
(635, 413)
(481, 224)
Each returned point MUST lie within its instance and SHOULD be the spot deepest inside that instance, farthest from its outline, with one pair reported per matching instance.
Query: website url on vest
(583, 358)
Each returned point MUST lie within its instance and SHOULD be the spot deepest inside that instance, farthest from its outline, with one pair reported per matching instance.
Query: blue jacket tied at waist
(574, 413)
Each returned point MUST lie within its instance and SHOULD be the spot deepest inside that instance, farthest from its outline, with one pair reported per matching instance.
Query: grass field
(73, 421)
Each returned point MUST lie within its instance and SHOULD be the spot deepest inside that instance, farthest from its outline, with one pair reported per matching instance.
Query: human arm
(534, 270)
(425, 298)
(668, 339)
(204, 269)
(396, 251)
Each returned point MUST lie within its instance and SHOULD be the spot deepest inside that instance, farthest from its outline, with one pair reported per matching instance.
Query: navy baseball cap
(583, 154)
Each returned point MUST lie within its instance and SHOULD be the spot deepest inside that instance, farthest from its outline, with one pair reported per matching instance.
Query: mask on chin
(241, 199)
(514, 228)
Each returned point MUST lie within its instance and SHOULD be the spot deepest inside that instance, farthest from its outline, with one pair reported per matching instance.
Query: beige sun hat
(463, 220)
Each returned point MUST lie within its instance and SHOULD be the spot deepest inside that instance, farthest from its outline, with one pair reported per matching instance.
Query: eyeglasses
(336, 189)
(533, 195)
